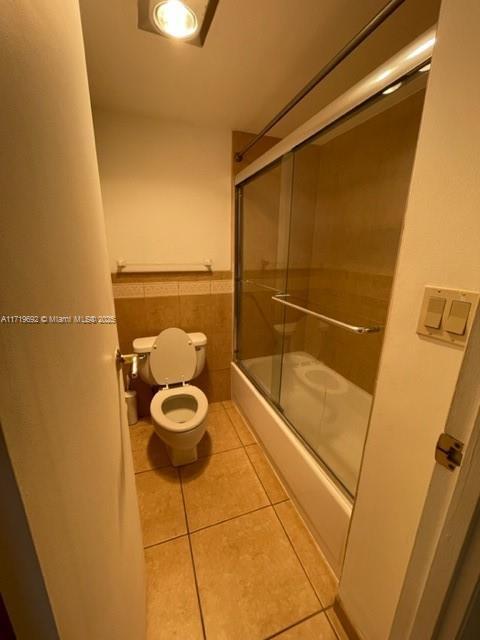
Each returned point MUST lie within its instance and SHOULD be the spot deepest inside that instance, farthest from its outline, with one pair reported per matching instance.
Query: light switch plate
(450, 296)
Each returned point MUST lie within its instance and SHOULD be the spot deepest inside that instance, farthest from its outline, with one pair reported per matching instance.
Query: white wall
(61, 398)
(417, 376)
(166, 190)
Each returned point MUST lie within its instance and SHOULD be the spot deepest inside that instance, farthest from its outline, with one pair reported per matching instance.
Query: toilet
(178, 409)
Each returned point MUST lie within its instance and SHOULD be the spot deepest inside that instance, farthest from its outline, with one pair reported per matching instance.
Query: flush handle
(448, 451)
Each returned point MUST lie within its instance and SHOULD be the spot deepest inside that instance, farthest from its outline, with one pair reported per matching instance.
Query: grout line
(258, 477)
(216, 453)
(300, 561)
(210, 455)
(167, 466)
(330, 622)
(257, 444)
(295, 624)
(195, 579)
(240, 515)
(235, 429)
(180, 480)
(156, 544)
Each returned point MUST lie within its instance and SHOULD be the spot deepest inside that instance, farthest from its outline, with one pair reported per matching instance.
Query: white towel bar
(137, 267)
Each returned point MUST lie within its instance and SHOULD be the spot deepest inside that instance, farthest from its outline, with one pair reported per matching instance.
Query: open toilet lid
(173, 358)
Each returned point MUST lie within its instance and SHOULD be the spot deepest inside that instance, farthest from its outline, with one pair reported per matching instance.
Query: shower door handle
(333, 321)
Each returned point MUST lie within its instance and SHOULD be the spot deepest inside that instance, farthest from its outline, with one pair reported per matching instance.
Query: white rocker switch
(457, 318)
(434, 312)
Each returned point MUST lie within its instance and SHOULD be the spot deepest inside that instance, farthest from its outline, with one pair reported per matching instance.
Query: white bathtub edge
(325, 507)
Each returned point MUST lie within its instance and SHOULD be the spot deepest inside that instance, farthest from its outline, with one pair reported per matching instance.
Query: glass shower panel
(349, 192)
(263, 218)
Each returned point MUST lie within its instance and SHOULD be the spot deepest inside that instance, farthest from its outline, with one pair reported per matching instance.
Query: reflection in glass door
(261, 262)
(318, 245)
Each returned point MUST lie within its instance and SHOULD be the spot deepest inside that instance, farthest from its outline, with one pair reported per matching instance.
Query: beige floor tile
(147, 449)
(316, 628)
(220, 434)
(336, 624)
(320, 574)
(267, 475)
(172, 604)
(250, 581)
(161, 505)
(220, 487)
(241, 427)
(215, 406)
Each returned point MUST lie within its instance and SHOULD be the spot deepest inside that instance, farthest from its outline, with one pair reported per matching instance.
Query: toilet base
(179, 457)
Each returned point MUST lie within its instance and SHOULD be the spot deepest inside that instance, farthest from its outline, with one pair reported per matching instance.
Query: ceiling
(257, 55)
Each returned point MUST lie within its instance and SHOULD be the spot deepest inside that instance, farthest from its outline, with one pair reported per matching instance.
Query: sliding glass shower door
(263, 223)
(317, 240)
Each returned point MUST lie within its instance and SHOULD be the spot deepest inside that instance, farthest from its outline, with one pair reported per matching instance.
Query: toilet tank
(145, 345)
(199, 341)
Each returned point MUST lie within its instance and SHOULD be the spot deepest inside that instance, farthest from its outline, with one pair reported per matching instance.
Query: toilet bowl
(178, 409)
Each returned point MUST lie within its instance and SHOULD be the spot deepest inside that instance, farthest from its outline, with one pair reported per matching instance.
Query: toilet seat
(173, 358)
(158, 411)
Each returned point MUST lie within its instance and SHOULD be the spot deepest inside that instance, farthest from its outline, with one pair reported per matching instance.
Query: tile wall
(145, 304)
(347, 204)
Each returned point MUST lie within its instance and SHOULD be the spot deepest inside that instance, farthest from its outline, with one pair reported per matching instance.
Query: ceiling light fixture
(185, 20)
(391, 89)
(175, 19)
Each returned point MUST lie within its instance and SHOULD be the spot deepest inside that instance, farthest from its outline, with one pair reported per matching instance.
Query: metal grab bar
(262, 286)
(336, 323)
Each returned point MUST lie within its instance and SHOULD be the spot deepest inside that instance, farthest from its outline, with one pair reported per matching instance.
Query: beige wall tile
(222, 286)
(172, 604)
(219, 349)
(219, 388)
(315, 628)
(312, 560)
(158, 310)
(220, 487)
(131, 321)
(161, 505)
(222, 304)
(161, 313)
(196, 313)
(267, 475)
(250, 581)
(194, 288)
(158, 289)
(128, 290)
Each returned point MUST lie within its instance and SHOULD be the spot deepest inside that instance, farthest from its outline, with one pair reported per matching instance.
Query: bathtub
(326, 508)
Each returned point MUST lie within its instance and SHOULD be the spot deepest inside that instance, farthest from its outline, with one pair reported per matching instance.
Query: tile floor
(227, 555)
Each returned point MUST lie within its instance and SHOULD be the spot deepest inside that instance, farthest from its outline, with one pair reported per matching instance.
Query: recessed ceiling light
(426, 67)
(391, 89)
(175, 19)
(188, 21)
